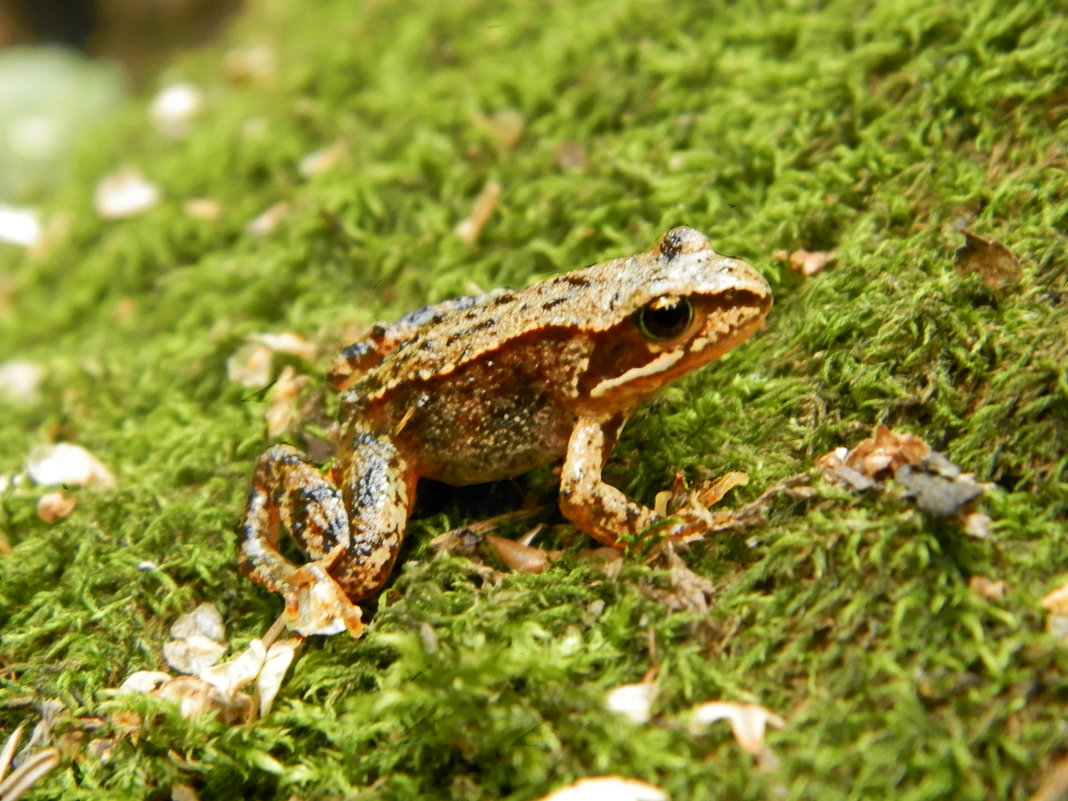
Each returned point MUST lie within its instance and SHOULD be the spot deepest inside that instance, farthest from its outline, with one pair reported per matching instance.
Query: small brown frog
(485, 388)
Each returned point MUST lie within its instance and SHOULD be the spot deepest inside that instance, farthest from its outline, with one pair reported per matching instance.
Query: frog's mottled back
(592, 300)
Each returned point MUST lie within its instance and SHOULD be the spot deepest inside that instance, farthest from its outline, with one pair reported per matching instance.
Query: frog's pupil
(665, 321)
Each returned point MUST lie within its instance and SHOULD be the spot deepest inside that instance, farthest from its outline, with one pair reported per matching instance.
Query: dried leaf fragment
(282, 413)
(937, 485)
(1056, 604)
(64, 463)
(215, 688)
(257, 63)
(19, 226)
(633, 701)
(523, 558)
(204, 621)
(175, 108)
(125, 193)
(994, 262)
(748, 722)
(987, 588)
(806, 262)
(607, 788)
(322, 160)
(268, 220)
(250, 365)
(203, 208)
(485, 204)
(26, 775)
(55, 506)
(269, 681)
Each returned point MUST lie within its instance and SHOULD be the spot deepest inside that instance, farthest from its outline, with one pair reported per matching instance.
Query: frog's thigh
(599, 509)
(378, 487)
(288, 488)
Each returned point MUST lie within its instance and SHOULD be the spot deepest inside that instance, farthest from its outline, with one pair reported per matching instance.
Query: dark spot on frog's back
(576, 280)
(506, 297)
(552, 304)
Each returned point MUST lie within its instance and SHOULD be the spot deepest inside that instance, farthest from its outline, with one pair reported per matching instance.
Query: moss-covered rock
(868, 130)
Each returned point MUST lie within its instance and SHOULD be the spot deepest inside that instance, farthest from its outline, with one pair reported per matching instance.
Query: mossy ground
(868, 129)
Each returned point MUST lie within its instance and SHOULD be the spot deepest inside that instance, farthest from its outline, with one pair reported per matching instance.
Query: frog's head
(670, 311)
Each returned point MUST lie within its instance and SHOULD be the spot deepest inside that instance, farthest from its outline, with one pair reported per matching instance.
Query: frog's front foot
(316, 604)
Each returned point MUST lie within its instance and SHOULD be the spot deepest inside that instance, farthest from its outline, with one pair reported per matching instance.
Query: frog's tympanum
(481, 389)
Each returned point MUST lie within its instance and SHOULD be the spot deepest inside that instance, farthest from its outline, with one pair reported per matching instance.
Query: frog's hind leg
(349, 523)
(288, 489)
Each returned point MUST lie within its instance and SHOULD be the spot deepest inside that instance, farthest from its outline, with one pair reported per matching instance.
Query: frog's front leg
(599, 509)
(349, 523)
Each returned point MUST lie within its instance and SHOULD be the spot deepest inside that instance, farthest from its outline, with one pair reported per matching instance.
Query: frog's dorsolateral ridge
(481, 389)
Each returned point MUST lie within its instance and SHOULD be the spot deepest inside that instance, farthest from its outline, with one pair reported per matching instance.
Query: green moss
(866, 129)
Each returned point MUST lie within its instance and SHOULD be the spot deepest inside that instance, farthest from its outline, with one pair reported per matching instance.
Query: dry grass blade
(23, 778)
(9, 750)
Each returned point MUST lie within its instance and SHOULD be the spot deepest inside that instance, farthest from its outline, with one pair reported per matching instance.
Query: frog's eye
(664, 318)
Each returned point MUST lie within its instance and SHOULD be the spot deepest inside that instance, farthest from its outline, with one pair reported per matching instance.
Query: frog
(486, 388)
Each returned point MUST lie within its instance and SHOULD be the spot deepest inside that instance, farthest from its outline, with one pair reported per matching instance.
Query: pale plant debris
(125, 193)
(469, 228)
(210, 687)
(607, 788)
(250, 365)
(199, 640)
(255, 64)
(505, 126)
(183, 792)
(938, 486)
(988, 258)
(175, 109)
(977, 525)
(466, 540)
(1054, 786)
(988, 588)
(571, 157)
(283, 414)
(685, 590)
(20, 380)
(519, 557)
(322, 160)
(266, 221)
(19, 226)
(286, 342)
(66, 463)
(632, 701)
(203, 208)
(54, 506)
(1055, 603)
(806, 262)
(30, 771)
(748, 722)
